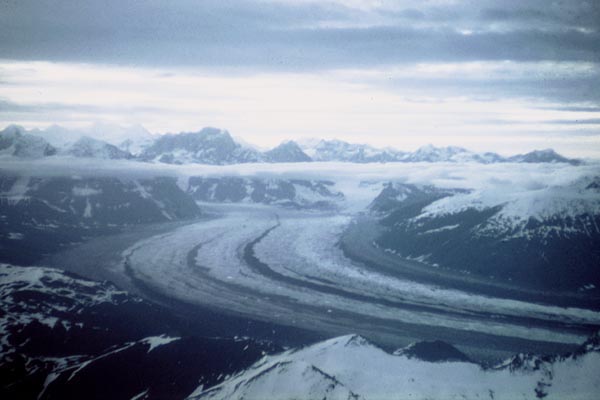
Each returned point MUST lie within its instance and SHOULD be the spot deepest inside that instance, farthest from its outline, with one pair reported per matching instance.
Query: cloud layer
(379, 71)
(299, 35)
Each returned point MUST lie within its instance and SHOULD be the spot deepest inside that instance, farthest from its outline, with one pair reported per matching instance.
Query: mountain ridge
(215, 146)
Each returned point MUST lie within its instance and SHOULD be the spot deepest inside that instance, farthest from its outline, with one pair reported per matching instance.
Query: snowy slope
(349, 367)
(557, 208)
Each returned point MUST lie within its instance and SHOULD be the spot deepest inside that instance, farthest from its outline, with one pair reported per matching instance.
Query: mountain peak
(543, 156)
(287, 151)
(206, 146)
(12, 131)
(15, 141)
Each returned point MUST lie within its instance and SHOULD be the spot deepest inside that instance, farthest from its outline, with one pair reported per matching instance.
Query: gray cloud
(583, 121)
(293, 36)
(265, 36)
(574, 108)
(8, 106)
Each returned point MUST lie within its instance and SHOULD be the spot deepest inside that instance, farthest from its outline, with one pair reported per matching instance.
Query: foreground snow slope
(64, 337)
(349, 367)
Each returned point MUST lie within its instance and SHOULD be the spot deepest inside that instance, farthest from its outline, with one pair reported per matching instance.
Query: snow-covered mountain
(14, 141)
(337, 150)
(542, 156)
(496, 230)
(430, 153)
(287, 152)
(129, 138)
(208, 146)
(88, 147)
(349, 367)
(217, 147)
(135, 135)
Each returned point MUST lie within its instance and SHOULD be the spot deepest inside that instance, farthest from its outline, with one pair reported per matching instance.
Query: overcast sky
(490, 75)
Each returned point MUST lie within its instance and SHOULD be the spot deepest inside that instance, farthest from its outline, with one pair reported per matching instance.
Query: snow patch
(156, 341)
(85, 191)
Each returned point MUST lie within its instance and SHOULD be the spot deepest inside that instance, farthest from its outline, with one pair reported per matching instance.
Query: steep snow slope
(349, 367)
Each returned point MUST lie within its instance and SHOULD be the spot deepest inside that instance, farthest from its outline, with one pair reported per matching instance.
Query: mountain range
(217, 147)
(495, 231)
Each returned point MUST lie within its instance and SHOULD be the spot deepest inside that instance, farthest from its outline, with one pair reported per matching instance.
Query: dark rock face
(434, 351)
(65, 337)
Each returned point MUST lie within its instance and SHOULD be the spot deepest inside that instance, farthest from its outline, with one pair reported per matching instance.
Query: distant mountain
(293, 193)
(92, 148)
(287, 152)
(136, 146)
(337, 150)
(208, 146)
(495, 231)
(134, 136)
(542, 156)
(431, 153)
(349, 367)
(116, 134)
(14, 141)
(217, 147)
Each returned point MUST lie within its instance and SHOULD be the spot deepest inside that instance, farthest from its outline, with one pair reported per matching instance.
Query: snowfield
(349, 367)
